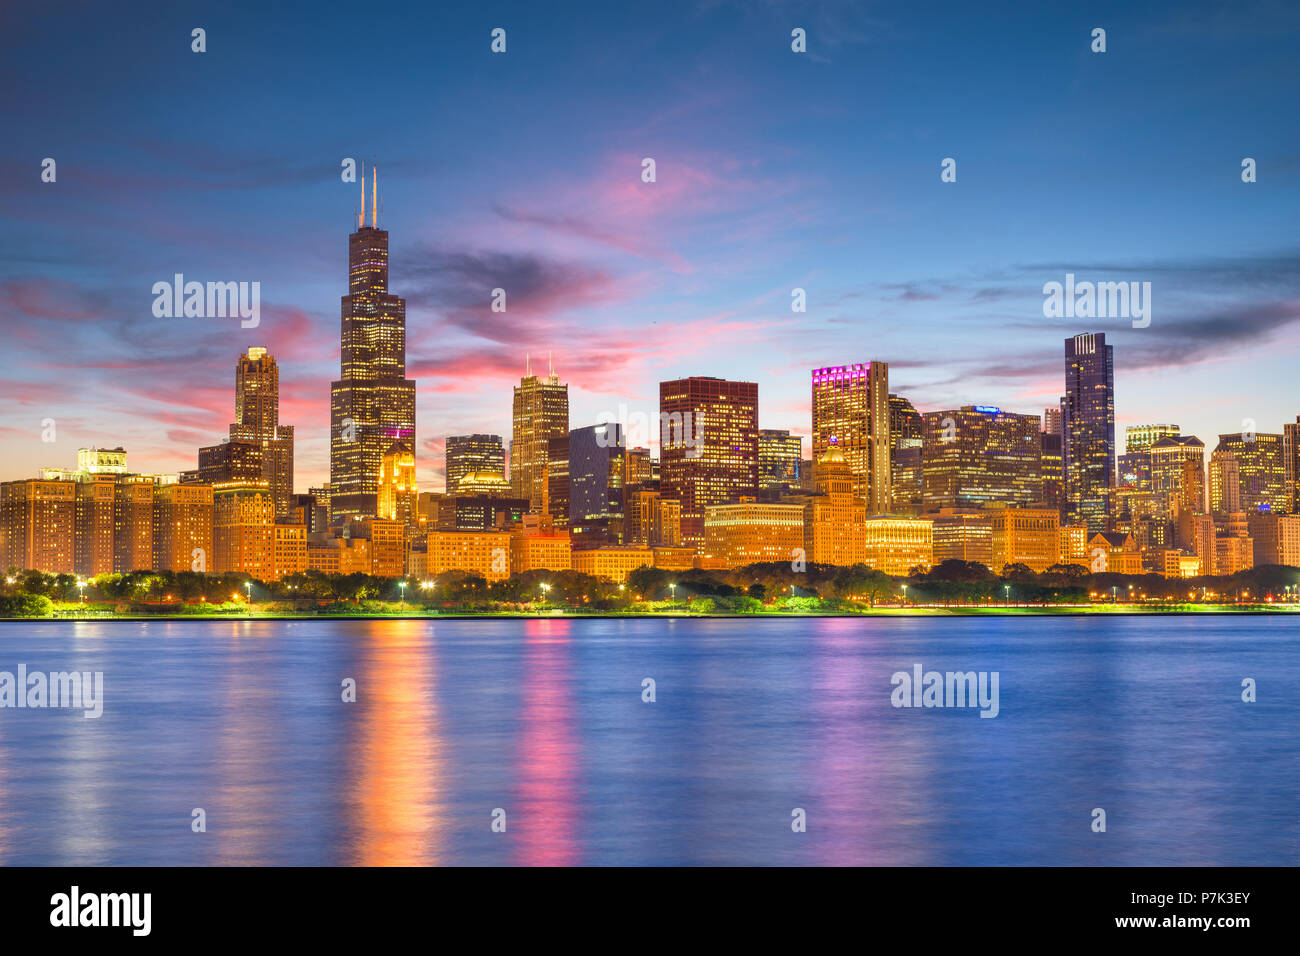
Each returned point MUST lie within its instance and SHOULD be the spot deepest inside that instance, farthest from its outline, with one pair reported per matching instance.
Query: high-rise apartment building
(243, 529)
(182, 527)
(1224, 483)
(708, 446)
(850, 408)
(372, 404)
(1261, 470)
(1088, 429)
(1177, 462)
(37, 525)
(133, 528)
(94, 531)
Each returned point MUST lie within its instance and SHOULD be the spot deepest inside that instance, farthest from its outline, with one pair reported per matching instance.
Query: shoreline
(892, 612)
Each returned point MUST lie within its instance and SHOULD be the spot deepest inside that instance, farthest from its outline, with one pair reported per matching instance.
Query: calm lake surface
(1141, 716)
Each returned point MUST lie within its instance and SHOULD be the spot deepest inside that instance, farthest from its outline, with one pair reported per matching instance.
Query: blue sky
(521, 170)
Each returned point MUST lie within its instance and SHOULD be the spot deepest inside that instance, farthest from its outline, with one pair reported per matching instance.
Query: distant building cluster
(885, 485)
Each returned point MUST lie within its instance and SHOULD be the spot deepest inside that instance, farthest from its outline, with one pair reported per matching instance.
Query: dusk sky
(522, 170)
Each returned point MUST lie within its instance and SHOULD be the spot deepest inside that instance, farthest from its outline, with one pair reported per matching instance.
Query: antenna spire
(361, 214)
(528, 364)
(374, 197)
(550, 361)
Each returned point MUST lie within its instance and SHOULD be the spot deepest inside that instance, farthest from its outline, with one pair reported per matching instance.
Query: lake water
(544, 719)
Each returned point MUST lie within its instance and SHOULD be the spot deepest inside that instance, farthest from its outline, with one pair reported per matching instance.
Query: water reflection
(548, 761)
(399, 757)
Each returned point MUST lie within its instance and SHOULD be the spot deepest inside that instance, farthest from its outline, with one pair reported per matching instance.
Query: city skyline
(773, 173)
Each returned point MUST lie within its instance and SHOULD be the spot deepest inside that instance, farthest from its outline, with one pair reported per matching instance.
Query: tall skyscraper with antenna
(372, 405)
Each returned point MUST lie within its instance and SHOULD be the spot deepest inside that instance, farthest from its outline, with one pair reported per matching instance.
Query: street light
(904, 593)
(1007, 588)
(672, 589)
(546, 589)
(82, 585)
(248, 586)
(401, 586)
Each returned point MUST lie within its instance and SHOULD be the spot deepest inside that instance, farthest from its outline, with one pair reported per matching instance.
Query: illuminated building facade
(613, 562)
(182, 527)
(101, 461)
(1028, 536)
(398, 495)
(541, 413)
(651, 519)
(1088, 429)
(485, 553)
(473, 454)
(905, 457)
(1224, 483)
(1114, 552)
(95, 497)
(834, 519)
(372, 404)
(1177, 462)
(243, 529)
(1275, 538)
(979, 455)
(708, 446)
(1261, 470)
(596, 470)
(133, 530)
(257, 419)
(779, 457)
(962, 534)
(749, 532)
(896, 545)
(37, 525)
(289, 545)
(1053, 469)
(850, 408)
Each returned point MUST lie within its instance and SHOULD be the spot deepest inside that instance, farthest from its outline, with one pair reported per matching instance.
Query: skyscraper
(1225, 483)
(1088, 429)
(708, 446)
(596, 471)
(1261, 470)
(372, 404)
(979, 455)
(257, 419)
(850, 408)
(1291, 463)
(258, 446)
(779, 457)
(473, 454)
(1134, 467)
(905, 460)
(1176, 461)
(541, 413)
